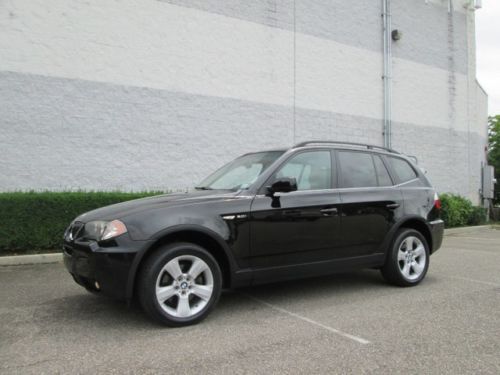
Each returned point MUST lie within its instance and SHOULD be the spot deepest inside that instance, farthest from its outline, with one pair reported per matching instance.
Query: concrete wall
(153, 94)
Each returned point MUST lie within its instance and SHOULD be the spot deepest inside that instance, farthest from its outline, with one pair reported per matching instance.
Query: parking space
(349, 323)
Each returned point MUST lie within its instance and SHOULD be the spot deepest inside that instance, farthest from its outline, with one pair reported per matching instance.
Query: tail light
(437, 201)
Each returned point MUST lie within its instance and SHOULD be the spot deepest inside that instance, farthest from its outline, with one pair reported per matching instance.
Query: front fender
(156, 238)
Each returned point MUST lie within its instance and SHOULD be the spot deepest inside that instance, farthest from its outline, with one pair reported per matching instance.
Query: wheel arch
(412, 222)
(201, 236)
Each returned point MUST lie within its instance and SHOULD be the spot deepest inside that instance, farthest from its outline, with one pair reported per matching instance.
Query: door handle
(328, 211)
(393, 206)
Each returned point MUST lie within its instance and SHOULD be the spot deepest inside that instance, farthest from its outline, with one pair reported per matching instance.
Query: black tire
(392, 269)
(150, 275)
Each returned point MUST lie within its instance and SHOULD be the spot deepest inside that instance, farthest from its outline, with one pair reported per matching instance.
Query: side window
(403, 169)
(357, 169)
(383, 176)
(312, 170)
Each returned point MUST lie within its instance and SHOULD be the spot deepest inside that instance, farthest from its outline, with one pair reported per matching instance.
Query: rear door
(369, 201)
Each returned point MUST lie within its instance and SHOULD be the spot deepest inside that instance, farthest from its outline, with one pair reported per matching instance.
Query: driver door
(301, 226)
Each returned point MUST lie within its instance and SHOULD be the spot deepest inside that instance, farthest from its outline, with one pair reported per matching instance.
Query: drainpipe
(387, 77)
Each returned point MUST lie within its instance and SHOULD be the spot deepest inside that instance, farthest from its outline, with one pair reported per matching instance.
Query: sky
(488, 52)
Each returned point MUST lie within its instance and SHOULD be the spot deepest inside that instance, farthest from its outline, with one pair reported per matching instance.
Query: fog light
(97, 286)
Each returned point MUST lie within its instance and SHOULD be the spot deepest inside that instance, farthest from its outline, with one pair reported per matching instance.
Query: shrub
(458, 211)
(31, 221)
(455, 210)
(478, 216)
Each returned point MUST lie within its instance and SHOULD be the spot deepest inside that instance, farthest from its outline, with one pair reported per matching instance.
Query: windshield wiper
(203, 188)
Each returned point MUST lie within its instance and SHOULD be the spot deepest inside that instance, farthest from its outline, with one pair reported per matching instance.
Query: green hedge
(32, 221)
(458, 211)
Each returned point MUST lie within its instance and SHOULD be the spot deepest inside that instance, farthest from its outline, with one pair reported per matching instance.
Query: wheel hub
(183, 285)
(410, 256)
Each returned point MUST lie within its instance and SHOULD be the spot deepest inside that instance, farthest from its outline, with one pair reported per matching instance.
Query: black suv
(317, 208)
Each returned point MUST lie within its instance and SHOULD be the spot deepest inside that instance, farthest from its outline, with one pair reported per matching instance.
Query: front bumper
(437, 232)
(108, 264)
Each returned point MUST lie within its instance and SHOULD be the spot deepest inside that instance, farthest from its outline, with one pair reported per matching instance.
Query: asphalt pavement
(349, 323)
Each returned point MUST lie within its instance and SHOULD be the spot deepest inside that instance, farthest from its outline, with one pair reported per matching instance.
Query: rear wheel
(408, 259)
(179, 284)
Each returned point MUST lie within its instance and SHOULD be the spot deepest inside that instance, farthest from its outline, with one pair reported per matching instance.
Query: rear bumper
(437, 233)
(109, 266)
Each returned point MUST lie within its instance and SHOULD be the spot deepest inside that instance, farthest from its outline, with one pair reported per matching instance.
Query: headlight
(104, 230)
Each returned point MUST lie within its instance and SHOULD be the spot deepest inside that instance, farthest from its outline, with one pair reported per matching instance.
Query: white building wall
(147, 94)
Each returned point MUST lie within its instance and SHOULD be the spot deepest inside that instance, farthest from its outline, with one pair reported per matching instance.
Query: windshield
(241, 173)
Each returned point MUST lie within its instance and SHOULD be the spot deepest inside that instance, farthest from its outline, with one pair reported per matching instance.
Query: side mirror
(283, 185)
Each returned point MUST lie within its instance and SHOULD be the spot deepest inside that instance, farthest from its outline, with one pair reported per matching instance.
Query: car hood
(120, 210)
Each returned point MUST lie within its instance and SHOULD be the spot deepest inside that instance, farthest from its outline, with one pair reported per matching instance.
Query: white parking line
(310, 321)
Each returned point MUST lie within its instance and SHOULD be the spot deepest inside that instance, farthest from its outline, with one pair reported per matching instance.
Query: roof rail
(369, 147)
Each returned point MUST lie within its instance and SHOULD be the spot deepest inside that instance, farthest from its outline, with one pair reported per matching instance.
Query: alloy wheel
(412, 258)
(184, 286)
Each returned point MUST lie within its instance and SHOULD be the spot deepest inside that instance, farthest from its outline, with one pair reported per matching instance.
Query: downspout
(387, 77)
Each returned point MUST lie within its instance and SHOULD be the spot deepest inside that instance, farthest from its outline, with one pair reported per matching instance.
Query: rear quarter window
(403, 170)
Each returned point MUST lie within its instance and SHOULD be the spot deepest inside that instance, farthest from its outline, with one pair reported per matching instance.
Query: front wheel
(408, 259)
(179, 284)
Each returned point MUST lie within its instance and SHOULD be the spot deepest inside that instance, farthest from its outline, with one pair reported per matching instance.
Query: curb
(17, 260)
(447, 232)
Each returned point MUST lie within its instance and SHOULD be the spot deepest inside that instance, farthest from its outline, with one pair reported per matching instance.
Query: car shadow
(85, 309)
